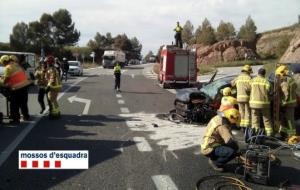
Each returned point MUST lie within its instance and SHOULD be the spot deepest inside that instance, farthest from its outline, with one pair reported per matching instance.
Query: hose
(224, 181)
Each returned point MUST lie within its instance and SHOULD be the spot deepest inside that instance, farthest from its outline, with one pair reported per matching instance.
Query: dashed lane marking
(12, 146)
(132, 76)
(124, 110)
(121, 102)
(119, 95)
(142, 144)
(163, 182)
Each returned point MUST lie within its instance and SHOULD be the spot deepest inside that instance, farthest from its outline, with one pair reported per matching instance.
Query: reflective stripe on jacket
(40, 75)
(178, 29)
(243, 87)
(259, 97)
(53, 77)
(117, 69)
(15, 77)
(288, 88)
(217, 133)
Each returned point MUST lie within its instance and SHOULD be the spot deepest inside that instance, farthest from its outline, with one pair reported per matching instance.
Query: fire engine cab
(177, 66)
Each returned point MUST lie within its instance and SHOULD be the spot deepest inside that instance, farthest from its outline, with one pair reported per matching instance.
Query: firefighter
(178, 39)
(288, 102)
(53, 88)
(243, 87)
(16, 80)
(260, 102)
(227, 100)
(218, 143)
(117, 73)
(40, 75)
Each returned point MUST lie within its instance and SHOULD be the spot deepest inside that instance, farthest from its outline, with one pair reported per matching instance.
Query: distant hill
(272, 44)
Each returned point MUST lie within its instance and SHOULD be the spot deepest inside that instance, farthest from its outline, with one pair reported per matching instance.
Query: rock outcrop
(292, 54)
(224, 51)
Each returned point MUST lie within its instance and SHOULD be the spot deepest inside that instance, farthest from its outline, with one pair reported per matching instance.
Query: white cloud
(151, 21)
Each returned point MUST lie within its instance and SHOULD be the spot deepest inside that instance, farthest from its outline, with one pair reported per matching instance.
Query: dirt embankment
(225, 51)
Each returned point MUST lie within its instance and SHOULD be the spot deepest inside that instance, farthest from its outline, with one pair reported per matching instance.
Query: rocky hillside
(224, 51)
(292, 54)
(273, 44)
(269, 45)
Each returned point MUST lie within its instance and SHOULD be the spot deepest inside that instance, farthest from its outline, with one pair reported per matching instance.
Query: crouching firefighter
(218, 143)
(53, 88)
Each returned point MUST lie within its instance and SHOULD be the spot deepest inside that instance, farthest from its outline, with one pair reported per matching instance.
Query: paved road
(131, 144)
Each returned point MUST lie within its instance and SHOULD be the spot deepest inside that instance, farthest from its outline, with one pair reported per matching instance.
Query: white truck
(112, 56)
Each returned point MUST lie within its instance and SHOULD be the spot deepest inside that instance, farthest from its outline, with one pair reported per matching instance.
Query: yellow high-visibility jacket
(288, 88)
(243, 87)
(217, 133)
(259, 97)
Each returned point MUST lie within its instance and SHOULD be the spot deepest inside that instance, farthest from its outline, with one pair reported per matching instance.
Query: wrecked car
(201, 104)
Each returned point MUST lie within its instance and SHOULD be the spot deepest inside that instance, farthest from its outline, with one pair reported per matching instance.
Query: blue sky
(151, 21)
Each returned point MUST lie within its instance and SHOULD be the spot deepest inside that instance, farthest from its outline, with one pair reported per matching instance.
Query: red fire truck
(177, 67)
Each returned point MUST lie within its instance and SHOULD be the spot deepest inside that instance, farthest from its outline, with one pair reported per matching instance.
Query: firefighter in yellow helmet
(16, 80)
(53, 87)
(243, 88)
(288, 102)
(227, 100)
(260, 102)
(218, 143)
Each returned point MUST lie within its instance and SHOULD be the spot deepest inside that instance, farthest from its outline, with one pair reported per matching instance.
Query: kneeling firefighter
(53, 87)
(218, 143)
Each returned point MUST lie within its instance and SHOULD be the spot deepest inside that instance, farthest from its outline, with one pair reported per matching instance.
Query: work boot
(214, 166)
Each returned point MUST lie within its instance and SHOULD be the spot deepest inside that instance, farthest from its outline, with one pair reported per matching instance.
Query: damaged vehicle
(201, 104)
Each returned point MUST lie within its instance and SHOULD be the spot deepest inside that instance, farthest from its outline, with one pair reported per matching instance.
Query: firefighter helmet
(50, 60)
(13, 58)
(4, 59)
(247, 68)
(282, 71)
(227, 91)
(294, 140)
(233, 115)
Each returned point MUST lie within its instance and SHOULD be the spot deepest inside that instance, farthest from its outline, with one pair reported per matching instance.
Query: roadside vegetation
(88, 65)
(206, 69)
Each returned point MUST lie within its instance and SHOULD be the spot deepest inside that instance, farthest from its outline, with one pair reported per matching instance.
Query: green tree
(187, 32)
(225, 31)
(205, 34)
(5, 46)
(63, 29)
(248, 30)
(19, 40)
(148, 55)
(136, 48)
(122, 42)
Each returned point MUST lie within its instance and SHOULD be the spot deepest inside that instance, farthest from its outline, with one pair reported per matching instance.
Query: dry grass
(88, 65)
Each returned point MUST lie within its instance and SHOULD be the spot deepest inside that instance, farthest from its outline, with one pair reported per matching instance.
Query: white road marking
(132, 75)
(164, 182)
(167, 134)
(173, 91)
(142, 144)
(119, 95)
(12, 146)
(124, 110)
(121, 102)
(87, 103)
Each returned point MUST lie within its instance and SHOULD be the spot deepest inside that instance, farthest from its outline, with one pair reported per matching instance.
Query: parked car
(201, 104)
(75, 68)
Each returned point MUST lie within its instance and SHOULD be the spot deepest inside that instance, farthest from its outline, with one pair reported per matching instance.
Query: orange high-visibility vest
(16, 78)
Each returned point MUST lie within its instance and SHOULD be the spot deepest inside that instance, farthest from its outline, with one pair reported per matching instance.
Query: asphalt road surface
(131, 144)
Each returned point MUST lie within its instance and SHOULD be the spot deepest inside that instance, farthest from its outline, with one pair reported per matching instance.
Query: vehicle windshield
(73, 63)
(213, 88)
(108, 57)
